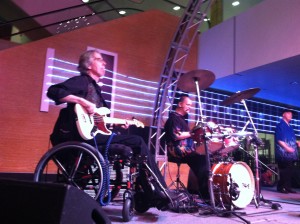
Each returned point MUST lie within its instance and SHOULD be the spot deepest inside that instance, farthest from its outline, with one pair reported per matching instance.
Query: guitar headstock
(138, 123)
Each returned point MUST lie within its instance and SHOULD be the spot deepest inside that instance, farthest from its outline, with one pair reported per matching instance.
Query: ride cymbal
(239, 96)
(187, 81)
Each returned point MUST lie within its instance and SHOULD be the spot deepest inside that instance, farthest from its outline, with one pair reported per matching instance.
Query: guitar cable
(106, 173)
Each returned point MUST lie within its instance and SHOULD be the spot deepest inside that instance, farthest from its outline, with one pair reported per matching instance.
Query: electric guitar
(89, 125)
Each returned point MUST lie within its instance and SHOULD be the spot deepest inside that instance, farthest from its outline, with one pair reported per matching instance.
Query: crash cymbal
(239, 96)
(187, 81)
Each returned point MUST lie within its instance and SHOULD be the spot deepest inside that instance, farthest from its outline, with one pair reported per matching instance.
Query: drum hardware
(234, 194)
(217, 190)
(226, 209)
(202, 79)
(240, 97)
(263, 164)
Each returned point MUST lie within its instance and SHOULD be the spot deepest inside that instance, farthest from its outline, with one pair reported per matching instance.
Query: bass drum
(233, 183)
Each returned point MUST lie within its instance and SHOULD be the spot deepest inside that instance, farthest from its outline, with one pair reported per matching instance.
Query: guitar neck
(111, 120)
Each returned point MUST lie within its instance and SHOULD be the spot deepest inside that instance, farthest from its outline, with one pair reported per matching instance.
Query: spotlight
(235, 3)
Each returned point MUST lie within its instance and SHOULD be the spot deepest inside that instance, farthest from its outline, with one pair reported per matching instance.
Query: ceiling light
(122, 12)
(85, 1)
(176, 8)
(235, 3)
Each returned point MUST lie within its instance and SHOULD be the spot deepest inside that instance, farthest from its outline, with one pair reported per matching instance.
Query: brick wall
(141, 42)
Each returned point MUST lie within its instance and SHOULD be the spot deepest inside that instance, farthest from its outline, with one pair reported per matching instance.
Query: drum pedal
(185, 205)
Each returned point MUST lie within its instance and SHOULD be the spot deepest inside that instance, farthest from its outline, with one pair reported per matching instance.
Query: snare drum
(233, 182)
(230, 143)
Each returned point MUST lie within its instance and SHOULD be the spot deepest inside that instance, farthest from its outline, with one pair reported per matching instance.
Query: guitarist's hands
(90, 108)
(126, 125)
(87, 105)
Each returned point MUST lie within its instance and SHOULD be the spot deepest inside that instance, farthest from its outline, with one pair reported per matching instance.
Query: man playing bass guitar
(84, 100)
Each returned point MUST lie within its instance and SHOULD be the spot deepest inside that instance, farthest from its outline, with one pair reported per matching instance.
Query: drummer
(181, 146)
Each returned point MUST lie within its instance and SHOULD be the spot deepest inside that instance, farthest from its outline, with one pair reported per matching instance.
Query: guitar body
(88, 126)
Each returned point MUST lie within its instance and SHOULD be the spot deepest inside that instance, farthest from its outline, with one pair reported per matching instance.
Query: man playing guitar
(86, 106)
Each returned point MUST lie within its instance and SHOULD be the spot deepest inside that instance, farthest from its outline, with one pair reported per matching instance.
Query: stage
(288, 213)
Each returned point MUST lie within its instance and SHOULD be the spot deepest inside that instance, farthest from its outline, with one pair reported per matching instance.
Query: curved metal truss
(173, 66)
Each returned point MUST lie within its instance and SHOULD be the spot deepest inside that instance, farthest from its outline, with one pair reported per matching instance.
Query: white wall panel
(266, 33)
(216, 49)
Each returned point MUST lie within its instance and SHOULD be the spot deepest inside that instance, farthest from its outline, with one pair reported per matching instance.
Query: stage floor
(289, 213)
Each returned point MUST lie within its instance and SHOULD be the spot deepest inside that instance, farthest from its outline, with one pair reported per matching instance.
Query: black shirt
(84, 86)
(178, 148)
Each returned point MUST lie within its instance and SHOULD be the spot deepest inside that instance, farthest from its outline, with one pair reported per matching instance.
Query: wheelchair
(83, 166)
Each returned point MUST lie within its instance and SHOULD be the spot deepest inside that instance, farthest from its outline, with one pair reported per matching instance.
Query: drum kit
(231, 183)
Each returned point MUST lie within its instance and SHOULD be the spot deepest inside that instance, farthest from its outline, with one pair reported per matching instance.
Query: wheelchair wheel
(141, 204)
(127, 211)
(74, 163)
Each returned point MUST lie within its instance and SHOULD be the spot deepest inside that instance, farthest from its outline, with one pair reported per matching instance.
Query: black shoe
(291, 191)
(283, 190)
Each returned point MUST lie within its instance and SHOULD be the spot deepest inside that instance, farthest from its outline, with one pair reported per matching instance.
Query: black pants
(138, 146)
(198, 165)
(285, 174)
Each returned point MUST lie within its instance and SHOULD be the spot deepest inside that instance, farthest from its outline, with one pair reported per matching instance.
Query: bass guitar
(89, 125)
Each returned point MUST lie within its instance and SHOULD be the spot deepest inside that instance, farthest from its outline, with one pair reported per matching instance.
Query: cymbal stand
(257, 195)
(199, 101)
(208, 165)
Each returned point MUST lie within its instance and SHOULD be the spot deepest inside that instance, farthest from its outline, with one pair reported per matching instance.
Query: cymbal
(187, 81)
(239, 96)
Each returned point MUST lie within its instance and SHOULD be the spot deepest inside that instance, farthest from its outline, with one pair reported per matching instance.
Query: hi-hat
(186, 82)
(239, 96)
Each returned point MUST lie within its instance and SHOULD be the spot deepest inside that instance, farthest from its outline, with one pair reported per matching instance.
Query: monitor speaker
(47, 203)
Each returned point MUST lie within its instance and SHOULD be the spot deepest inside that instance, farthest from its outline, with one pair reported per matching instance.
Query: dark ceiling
(29, 20)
